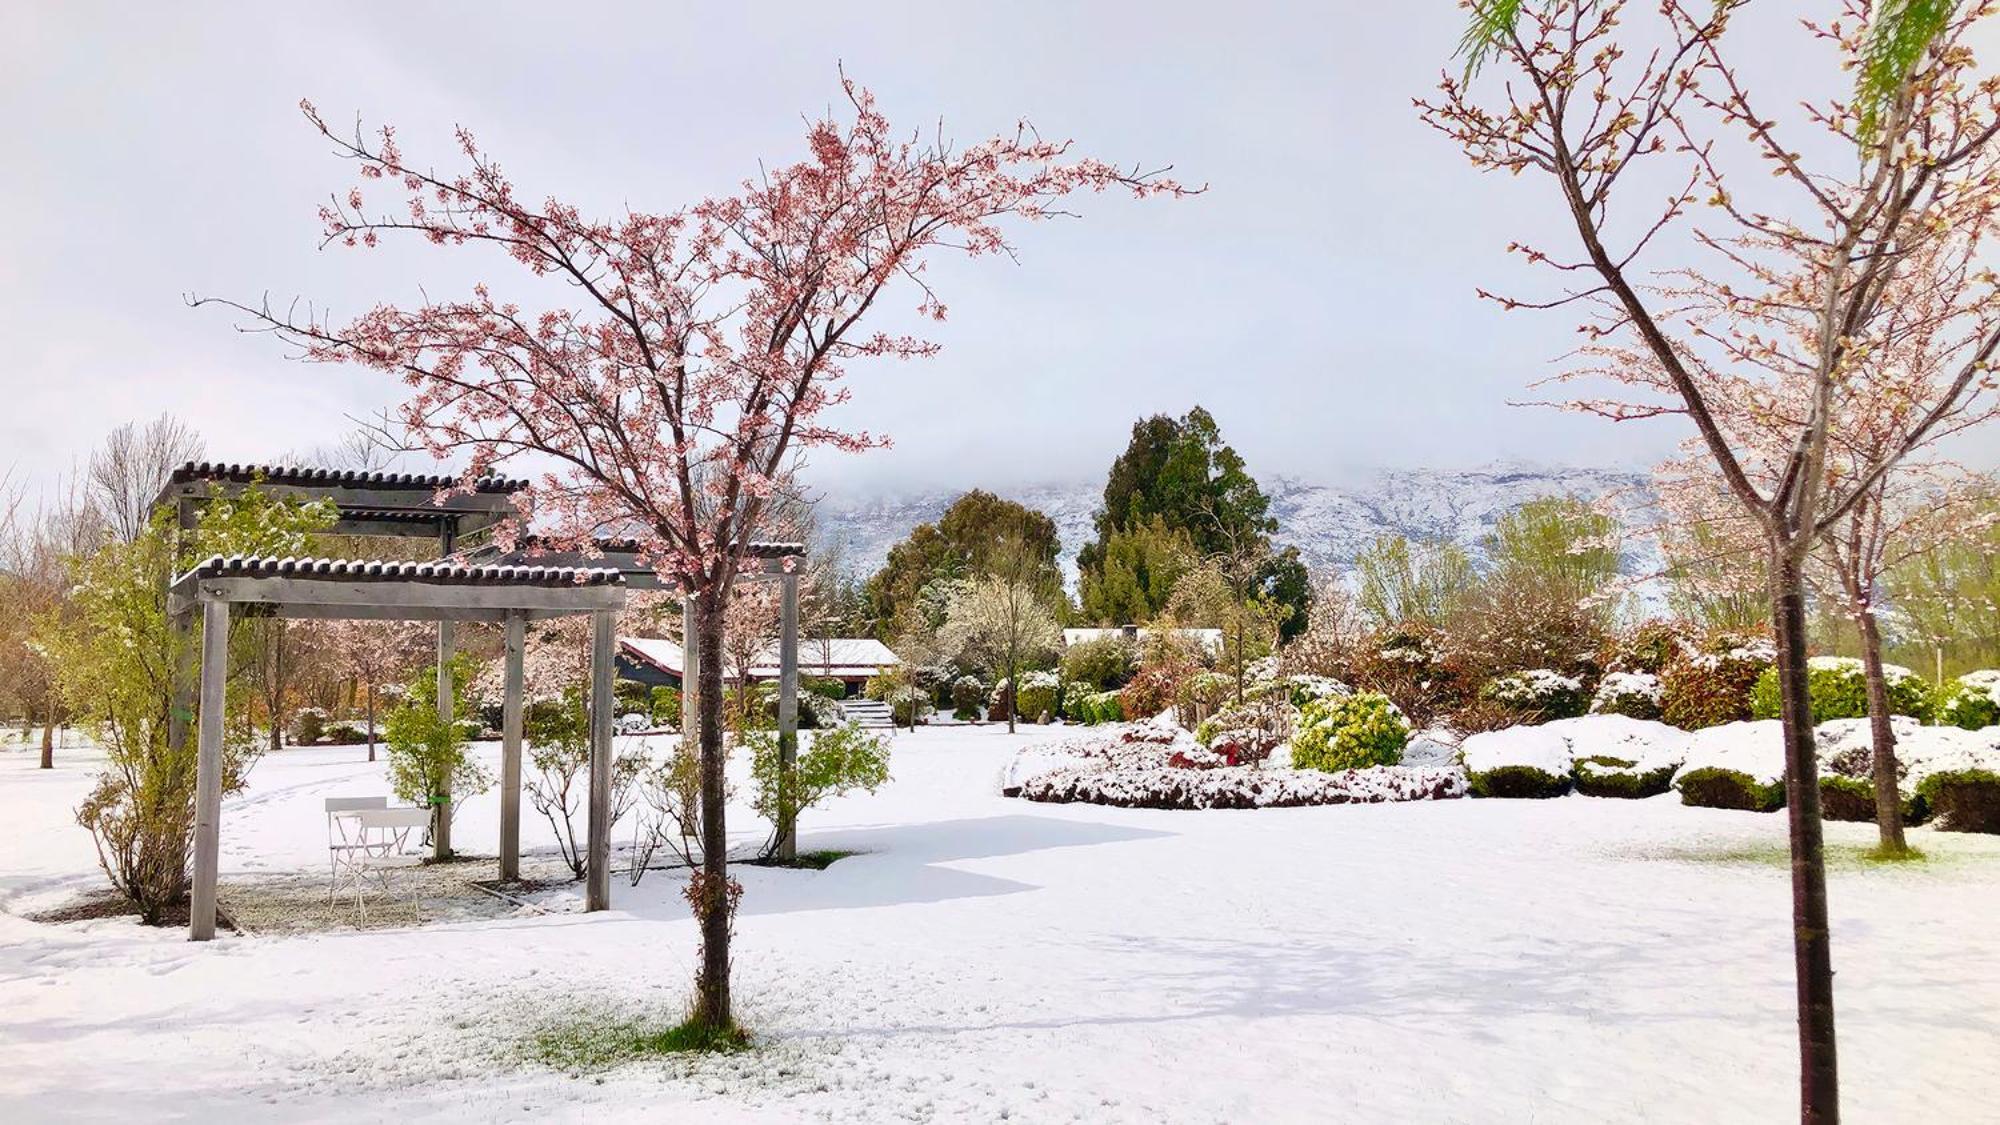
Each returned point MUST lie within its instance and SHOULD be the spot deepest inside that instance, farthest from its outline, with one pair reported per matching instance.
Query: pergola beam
(418, 592)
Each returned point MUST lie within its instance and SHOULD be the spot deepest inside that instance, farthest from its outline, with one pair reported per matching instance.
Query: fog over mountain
(1329, 523)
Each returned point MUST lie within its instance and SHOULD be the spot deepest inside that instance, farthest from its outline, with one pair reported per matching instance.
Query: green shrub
(1105, 663)
(1538, 692)
(826, 687)
(1635, 695)
(837, 761)
(1516, 782)
(631, 696)
(1601, 775)
(1713, 788)
(1963, 800)
(1838, 686)
(967, 693)
(1971, 701)
(1037, 696)
(1349, 732)
(664, 705)
(1101, 707)
(1712, 686)
(308, 726)
(1853, 799)
(1647, 649)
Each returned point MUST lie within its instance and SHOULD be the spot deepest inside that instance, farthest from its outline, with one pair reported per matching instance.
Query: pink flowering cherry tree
(685, 358)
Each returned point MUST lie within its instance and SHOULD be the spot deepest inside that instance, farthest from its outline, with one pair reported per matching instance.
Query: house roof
(845, 657)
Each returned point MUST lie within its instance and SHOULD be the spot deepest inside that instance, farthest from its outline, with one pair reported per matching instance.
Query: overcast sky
(1318, 299)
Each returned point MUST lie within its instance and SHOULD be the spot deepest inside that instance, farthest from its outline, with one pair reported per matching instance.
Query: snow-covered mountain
(1329, 523)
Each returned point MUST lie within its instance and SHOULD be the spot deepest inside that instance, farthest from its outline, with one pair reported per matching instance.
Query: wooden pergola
(533, 581)
(444, 592)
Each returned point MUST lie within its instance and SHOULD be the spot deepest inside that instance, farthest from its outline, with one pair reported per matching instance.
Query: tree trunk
(1819, 1081)
(712, 1005)
(1888, 795)
(371, 722)
(1013, 688)
(49, 740)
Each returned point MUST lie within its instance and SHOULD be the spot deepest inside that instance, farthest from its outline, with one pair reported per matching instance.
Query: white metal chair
(343, 833)
(382, 845)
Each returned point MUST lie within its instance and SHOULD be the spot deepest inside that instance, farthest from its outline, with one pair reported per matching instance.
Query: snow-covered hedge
(1147, 765)
(1539, 691)
(1971, 701)
(1838, 686)
(1633, 694)
(1735, 766)
(1620, 756)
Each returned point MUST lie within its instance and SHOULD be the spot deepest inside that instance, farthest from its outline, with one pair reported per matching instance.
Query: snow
(1623, 685)
(1536, 747)
(1754, 747)
(985, 958)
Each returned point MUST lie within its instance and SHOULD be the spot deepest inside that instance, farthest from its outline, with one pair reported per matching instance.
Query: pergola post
(208, 769)
(510, 751)
(597, 875)
(447, 712)
(180, 628)
(788, 715)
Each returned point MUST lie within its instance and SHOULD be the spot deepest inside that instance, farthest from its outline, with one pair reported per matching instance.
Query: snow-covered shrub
(1346, 732)
(1838, 686)
(1632, 694)
(1971, 701)
(1539, 692)
(1408, 665)
(345, 734)
(1737, 765)
(967, 693)
(1148, 765)
(1302, 690)
(1150, 692)
(1649, 648)
(1846, 752)
(1037, 696)
(1104, 663)
(308, 726)
(1099, 707)
(1965, 800)
(1607, 775)
(1710, 684)
(1530, 761)
(1209, 690)
(908, 704)
(1245, 746)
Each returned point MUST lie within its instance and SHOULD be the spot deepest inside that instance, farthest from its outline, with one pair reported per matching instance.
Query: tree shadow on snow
(902, 864)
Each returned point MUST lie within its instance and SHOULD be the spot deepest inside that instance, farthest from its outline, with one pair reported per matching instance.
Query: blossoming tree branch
(695, 355)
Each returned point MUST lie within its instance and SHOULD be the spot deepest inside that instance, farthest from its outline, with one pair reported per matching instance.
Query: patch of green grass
(1839, 857)
(580, 1043)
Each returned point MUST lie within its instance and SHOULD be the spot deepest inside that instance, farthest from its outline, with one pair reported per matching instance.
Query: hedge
(1602, 775)
(1963, 800)
(1971, 701)
(1712, 687)
(1516, 781)
(1853, 799)
(1712, 788)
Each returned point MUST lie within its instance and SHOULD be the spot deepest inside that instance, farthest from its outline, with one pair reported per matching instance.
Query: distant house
(1209, 639)
(851, 660)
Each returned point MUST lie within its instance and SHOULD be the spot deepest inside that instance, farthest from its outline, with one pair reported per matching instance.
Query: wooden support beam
(597, 876)
(510, 751)
(446, 705)
(208, 770)
(788, 715)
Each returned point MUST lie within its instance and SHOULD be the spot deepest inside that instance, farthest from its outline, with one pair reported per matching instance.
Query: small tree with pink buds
(694, 356)
(1786, 288)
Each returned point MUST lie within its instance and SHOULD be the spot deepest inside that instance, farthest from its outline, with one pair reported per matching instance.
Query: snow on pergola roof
(235, 473)
(416, 591)
(404, 505)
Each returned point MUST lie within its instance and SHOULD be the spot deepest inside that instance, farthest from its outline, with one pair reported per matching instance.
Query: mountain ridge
(1329, 523)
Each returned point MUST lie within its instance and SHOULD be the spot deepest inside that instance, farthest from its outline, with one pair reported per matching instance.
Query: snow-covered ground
(986, 958)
